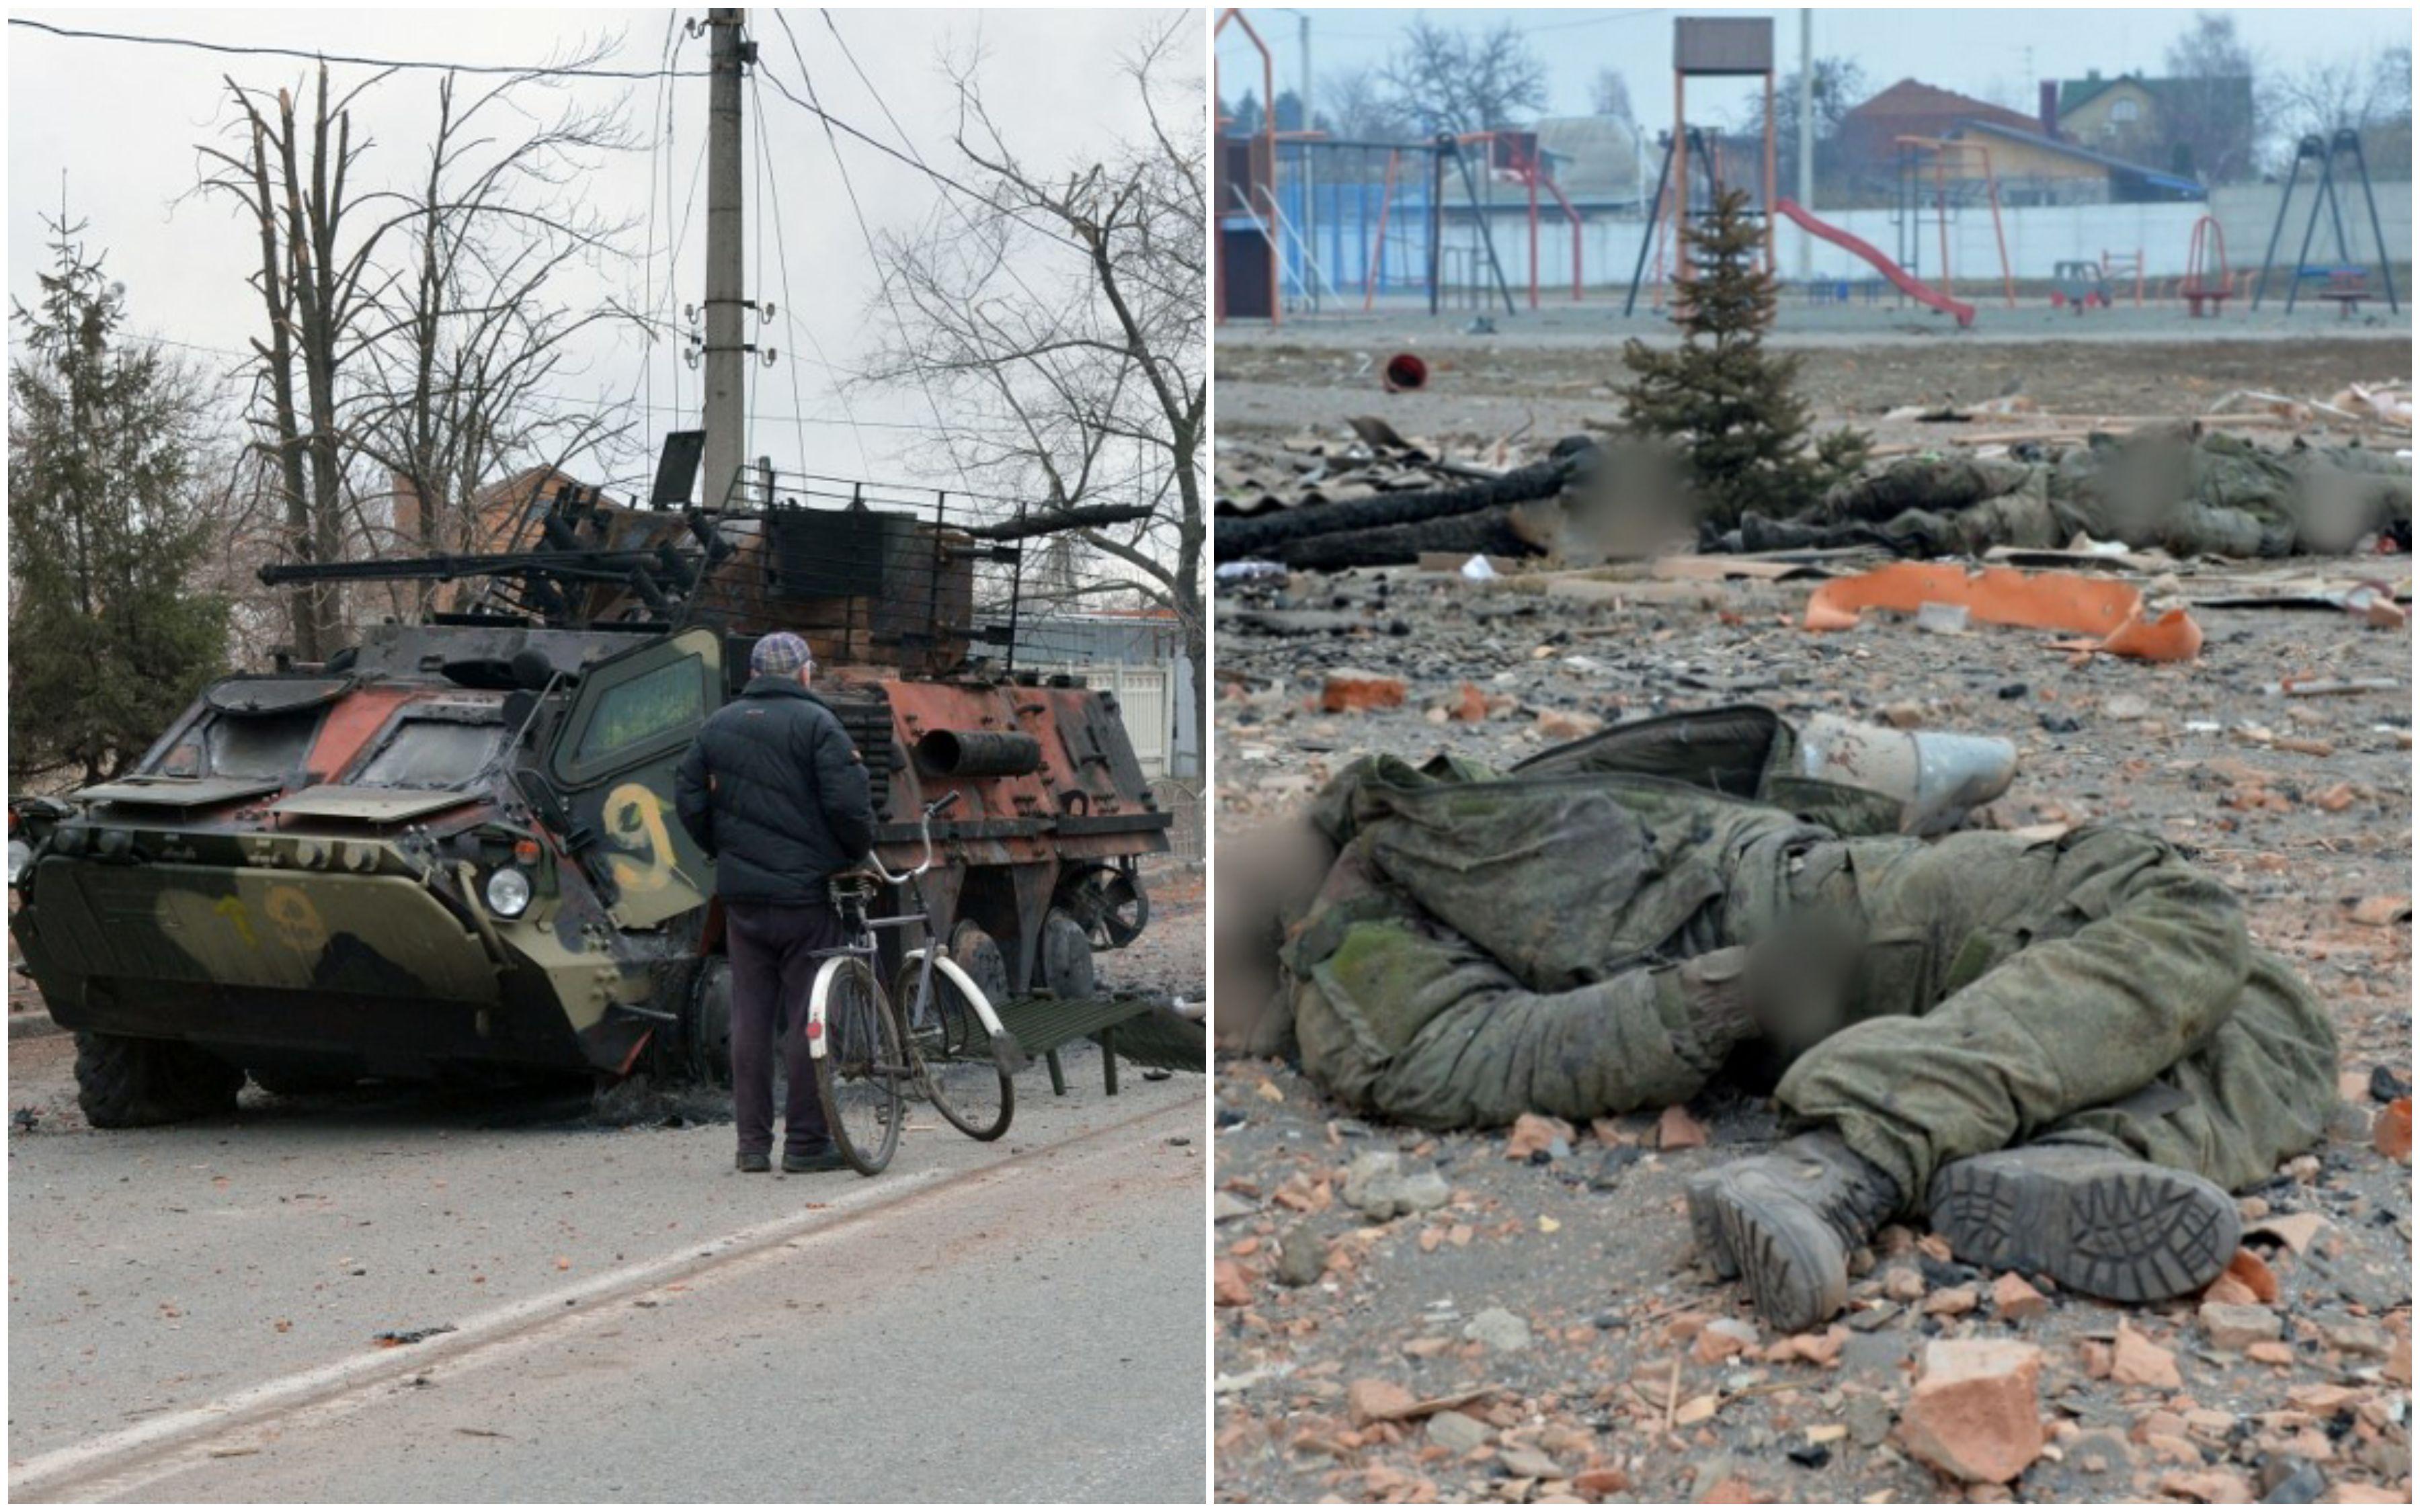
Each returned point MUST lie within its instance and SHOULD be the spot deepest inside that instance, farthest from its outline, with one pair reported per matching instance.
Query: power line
(833, 122)
(790, 324)
(233, 51)
(873, 255)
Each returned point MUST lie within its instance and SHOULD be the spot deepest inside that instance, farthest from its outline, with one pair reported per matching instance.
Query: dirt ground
(1545, 1334)
(1542, 384)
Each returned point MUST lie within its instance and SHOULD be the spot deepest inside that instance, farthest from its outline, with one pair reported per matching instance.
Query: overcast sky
(1993, 54)
(121, 123)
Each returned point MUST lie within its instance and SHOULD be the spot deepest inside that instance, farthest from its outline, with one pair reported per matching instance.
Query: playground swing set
(1300, 249)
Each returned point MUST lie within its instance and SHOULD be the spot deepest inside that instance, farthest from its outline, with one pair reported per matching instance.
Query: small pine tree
(106, 642)
(1724, 398)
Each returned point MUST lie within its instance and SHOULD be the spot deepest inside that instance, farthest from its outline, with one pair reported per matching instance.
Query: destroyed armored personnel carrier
(451, 849)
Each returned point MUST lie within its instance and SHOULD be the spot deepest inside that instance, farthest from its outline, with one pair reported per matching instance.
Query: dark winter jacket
(774, 791)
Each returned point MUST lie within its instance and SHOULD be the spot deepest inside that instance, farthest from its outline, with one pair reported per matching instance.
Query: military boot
(1787, 1221)
(2095, 1221)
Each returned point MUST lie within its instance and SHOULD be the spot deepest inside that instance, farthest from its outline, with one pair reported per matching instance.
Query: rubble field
(1517, 1315)
(1542, 384)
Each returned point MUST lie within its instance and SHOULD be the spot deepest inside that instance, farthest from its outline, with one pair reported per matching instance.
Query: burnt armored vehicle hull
(451, 852)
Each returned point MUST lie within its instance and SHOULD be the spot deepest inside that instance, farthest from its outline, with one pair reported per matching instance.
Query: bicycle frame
(863, 942)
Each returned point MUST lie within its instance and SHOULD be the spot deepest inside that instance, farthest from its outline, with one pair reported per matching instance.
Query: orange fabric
(2100, 607)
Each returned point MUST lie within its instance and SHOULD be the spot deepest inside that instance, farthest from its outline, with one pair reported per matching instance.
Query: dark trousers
(773, 967)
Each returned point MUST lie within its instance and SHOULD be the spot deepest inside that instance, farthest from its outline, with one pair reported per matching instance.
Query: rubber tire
(980, 956)
(903, 995)
(127, 1083)
(706, 1023)
(1067, 957)
(837, 1001)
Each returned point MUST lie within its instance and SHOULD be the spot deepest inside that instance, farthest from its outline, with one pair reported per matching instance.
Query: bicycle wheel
(962, 1070)
(857, 1074)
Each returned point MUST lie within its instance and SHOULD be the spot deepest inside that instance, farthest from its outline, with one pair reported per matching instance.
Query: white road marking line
(133, 1457)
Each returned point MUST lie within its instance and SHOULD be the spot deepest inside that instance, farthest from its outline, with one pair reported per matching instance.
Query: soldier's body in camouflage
(1595, 935)
(2163, 488)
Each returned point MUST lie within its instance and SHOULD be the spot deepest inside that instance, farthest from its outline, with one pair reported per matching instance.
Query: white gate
(1144, 704)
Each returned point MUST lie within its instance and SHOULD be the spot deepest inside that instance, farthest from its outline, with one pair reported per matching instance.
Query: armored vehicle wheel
(124, 1083)
(706, 1023)
(963, 1070)
(980, 956)
(1066, 956)
(857, 1074)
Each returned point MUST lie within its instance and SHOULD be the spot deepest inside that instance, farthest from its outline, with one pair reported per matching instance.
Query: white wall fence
(2038, 237)
(1145, 705)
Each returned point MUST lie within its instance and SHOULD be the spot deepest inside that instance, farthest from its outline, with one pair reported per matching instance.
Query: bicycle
(937, 1031)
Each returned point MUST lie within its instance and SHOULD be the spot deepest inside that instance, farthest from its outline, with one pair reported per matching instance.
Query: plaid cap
(780, 654)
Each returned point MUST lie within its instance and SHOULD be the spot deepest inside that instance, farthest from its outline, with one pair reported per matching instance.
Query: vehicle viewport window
(650, 704)
(260, 746)
(433, 753)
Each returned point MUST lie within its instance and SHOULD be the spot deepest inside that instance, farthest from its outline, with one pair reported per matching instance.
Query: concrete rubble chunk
(1376, 1401)
(2234, 1326)
(1458, 1433)
(1498, 1330)
(2014, 1300)
(1976, 1411)
(1376, 1187)
(2136, 1360)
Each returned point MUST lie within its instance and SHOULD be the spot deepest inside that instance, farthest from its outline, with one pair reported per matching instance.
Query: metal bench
(1139, 1029)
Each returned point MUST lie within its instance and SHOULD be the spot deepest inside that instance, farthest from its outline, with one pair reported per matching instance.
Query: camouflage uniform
(1488, 945)
(2210, 495)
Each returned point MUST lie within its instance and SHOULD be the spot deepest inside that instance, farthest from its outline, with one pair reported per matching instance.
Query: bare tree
(1361, 108)
(2368, 95)
(454, 388)
(2206, 106)
(1447, 79)
(315, 286)
(1840, 87)
(1060, 321)
(1610, 95)
(408, 335)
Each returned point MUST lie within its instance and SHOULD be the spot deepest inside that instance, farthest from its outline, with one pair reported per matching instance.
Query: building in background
(2192, 128)
(1139, 656)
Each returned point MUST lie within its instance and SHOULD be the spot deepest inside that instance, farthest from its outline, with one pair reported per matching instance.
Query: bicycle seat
(857, 884)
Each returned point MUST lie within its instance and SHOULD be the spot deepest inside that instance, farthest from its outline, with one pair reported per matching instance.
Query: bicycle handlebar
(924, 831)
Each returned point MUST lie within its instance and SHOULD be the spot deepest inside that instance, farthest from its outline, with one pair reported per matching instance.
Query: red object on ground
(1920, 292)
(1403, 372)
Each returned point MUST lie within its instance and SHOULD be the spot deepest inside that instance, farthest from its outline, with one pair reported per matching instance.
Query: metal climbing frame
(2326, 153)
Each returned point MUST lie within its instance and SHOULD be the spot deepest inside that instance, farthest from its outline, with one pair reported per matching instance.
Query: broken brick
(1976, 1411)
(1345, 691)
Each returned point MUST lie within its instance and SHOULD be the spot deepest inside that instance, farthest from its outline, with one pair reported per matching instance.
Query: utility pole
(1805, 136)
(1309, 196)
(726, 305)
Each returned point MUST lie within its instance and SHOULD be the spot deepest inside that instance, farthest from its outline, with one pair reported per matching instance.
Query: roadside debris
(396, 1338)
(2110, 610)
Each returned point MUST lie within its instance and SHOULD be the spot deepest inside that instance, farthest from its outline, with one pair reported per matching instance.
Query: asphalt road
(191, 1310)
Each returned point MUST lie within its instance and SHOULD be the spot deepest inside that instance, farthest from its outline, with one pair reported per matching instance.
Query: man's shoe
(754, 1160)
(1786, 1223)
(813, 1158)
(2095, 1221)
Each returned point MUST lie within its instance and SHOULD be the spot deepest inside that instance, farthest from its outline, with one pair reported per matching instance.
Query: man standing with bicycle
(775, 791)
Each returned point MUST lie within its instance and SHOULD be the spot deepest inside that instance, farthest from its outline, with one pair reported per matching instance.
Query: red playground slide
(1920, 293)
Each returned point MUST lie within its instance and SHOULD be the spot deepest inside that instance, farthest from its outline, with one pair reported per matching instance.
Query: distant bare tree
(1449, 78)
(1361, 108)
(1610, 95)
(1840, 87)
(455, 384)
(1061, 323)
(405, 333)
(2370, 96)
(2207, 107)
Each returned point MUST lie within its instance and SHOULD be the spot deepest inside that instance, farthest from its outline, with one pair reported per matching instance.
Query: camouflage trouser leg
(2074, 1036)
(1405, 1024)
(2259, 1091)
